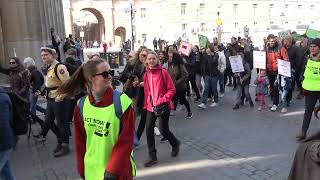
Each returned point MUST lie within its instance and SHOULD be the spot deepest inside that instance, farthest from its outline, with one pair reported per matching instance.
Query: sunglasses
(105, 74)
(143, 55)
(12, 62)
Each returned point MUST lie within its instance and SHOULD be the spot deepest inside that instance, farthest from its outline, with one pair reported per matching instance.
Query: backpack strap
(56, 70)
(80, 105)
(117, 104)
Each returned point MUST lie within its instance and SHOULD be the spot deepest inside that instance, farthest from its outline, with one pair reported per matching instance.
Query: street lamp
(131, 10)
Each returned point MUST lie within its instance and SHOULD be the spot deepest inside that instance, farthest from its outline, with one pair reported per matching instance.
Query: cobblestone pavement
(217, 144)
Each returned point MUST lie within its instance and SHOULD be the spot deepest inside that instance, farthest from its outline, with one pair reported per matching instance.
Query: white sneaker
(259, 108)
(172, 113)
(221, 95)
(179, 108)
(202, 105)
(284, 110)
(214, 104)
(156, 131)
(273, 108)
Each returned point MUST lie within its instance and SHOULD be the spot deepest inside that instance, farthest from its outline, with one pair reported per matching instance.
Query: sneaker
(260, 108)
(235, 107)
(284, 110)
(172, 113)
(202, 106)
(273, 108)
(156, 131)
(175, 150)
(64, 150)
(197, 100)
(214, 104)
(57, 149)
(221, 95)
(151, 161)
(190, 115)
(163, 140)
(179, 108)
(270, 105)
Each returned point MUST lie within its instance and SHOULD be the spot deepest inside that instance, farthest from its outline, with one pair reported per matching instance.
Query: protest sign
(185, 48)
(203, 41)
(236, 64)
(283, 34)
(259, 59)
(284, 68)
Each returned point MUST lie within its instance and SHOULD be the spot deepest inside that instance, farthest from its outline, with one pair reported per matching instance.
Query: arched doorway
(90, 25)
(120, 35)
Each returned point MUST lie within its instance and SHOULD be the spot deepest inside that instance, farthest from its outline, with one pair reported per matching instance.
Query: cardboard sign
(284, 68)
(283, 34)
(236, 64)
(203, 41)
(259, 59)
(185, 48)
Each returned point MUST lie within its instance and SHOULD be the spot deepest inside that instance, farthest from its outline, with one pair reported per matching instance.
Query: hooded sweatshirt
(158, 88)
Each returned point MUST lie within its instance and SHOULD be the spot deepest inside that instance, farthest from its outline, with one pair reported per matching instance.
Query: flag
(203, 41)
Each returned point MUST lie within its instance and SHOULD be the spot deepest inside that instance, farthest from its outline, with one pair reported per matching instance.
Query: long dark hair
(20, 66)
(79, 81)
(177, 59)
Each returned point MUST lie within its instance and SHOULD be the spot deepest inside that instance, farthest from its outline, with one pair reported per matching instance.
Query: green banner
(296, 37)
(312, 33)
(203, 41)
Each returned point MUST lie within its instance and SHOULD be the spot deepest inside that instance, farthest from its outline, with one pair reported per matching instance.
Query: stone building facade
(25, 27)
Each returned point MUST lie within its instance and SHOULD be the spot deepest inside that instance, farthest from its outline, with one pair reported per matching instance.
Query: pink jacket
(158, 85)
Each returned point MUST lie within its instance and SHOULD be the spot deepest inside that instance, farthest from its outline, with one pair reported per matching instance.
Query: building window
(143, 13)
(184, 27)
(202, 6)
(255, 23)
(254, 9)
(311, 7)
(271, 22)
(299, 6)
(235, 9)
(183, 8)
(286, 6)
(235, 25)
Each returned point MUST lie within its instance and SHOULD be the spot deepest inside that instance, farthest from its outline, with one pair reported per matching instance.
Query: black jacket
(210, 64)
(7, 137)
(293, 53)
(36, 79)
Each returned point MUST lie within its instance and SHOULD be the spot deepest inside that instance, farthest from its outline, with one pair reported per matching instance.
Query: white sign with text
(284, 68)
(259, 59)
(236, 64)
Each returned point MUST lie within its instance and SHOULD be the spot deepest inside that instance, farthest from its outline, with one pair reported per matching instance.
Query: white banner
(236, 64)
(284, 68)
(259, 59)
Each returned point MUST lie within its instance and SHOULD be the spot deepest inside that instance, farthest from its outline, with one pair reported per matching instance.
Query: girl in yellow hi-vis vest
(311, 85)
(103, 135)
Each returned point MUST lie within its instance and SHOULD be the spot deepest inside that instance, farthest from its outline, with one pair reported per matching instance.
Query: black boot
(58, 147)
(175, 149)
(251, 104)
(152, 160)
(64, 150)
(235, 107)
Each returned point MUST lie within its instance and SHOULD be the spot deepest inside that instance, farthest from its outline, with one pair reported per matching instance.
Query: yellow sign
(219, 22)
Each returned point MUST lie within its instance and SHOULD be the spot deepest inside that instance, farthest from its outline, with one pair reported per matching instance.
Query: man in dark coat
(7, 137)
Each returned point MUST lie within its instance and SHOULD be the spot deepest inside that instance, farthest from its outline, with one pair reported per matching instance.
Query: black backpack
(21, 121)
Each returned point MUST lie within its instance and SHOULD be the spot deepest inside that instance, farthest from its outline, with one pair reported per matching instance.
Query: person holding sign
(311, 85)
(274, 52)
(243, 80)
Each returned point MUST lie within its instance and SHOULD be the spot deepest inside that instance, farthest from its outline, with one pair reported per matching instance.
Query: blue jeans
(33, 104)
(210, 82)
(284, 99)
(5, 168)
(221, 82)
